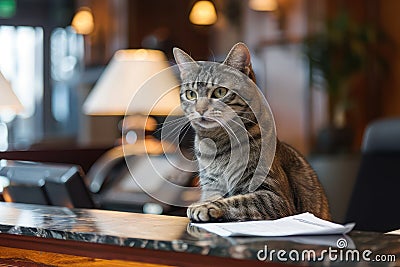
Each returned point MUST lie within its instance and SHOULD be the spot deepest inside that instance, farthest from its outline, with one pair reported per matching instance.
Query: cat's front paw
(209, 212)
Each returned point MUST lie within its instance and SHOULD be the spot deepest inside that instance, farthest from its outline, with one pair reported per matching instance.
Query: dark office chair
(375, 201)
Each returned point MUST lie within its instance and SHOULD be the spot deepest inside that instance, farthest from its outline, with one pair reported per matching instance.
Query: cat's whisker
(208, 183)
(172, 132)
(177, 123)
(213, 55)
(247, 119)
(244, 112)
(169, 133)
(174, 125)
(241, 125)
(172, 122)
(185, 130)
(168, 121)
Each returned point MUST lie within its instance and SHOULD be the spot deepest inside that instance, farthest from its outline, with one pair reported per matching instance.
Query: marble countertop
(169, 233)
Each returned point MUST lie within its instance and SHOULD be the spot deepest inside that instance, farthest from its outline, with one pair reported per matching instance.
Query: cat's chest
(210, 152)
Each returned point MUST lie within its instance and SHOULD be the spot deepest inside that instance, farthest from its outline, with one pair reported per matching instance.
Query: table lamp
(136, 83)
(9, 106)
(124, 80)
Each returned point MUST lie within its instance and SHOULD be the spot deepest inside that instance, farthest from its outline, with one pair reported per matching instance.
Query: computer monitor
(44, 183)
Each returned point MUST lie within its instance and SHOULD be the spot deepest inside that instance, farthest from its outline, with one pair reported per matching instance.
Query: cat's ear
(239, 58)
(186, 64)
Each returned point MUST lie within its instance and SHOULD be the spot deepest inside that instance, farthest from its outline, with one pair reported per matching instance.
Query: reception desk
(32, 235)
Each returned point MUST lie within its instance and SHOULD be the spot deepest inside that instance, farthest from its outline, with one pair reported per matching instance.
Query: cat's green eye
(220, 92)
(191, 95)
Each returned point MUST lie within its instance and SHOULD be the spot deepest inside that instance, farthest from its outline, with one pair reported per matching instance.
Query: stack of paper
(301, 224)
(395, 232)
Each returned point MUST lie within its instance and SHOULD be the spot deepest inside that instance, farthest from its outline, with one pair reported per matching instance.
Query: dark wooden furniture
(31, 235)
(84, 157)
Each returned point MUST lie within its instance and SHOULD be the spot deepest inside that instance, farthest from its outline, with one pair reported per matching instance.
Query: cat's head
(212, 94)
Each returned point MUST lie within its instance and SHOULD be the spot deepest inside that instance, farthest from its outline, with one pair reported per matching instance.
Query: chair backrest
(375, 199)
(382, 136)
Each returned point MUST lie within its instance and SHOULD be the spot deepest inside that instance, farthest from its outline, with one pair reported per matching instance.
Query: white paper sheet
(395, 232)
(301, 224)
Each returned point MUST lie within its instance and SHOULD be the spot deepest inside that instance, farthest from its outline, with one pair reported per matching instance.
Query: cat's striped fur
(291, 185)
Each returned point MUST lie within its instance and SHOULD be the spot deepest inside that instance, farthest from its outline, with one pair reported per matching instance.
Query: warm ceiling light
(83, 22)
(203, 13)
(263, 5)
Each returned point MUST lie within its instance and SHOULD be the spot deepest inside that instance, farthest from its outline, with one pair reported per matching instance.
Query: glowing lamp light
(203, 13)
(83, 21)
(263, 5)
(9, 106)
(8, 100)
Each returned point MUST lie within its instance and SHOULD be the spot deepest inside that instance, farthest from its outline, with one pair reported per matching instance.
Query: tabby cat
(211, 96)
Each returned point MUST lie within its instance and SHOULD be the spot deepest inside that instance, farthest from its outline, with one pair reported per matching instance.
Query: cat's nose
(202, 105)
(201, 110)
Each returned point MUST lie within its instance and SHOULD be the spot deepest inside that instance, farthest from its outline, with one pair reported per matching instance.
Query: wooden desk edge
(114, 252)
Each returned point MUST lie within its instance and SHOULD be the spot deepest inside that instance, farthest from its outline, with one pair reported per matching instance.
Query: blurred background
(327, 68)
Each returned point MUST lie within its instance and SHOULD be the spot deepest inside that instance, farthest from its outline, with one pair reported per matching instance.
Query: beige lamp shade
(8, 99)
(136, 81)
